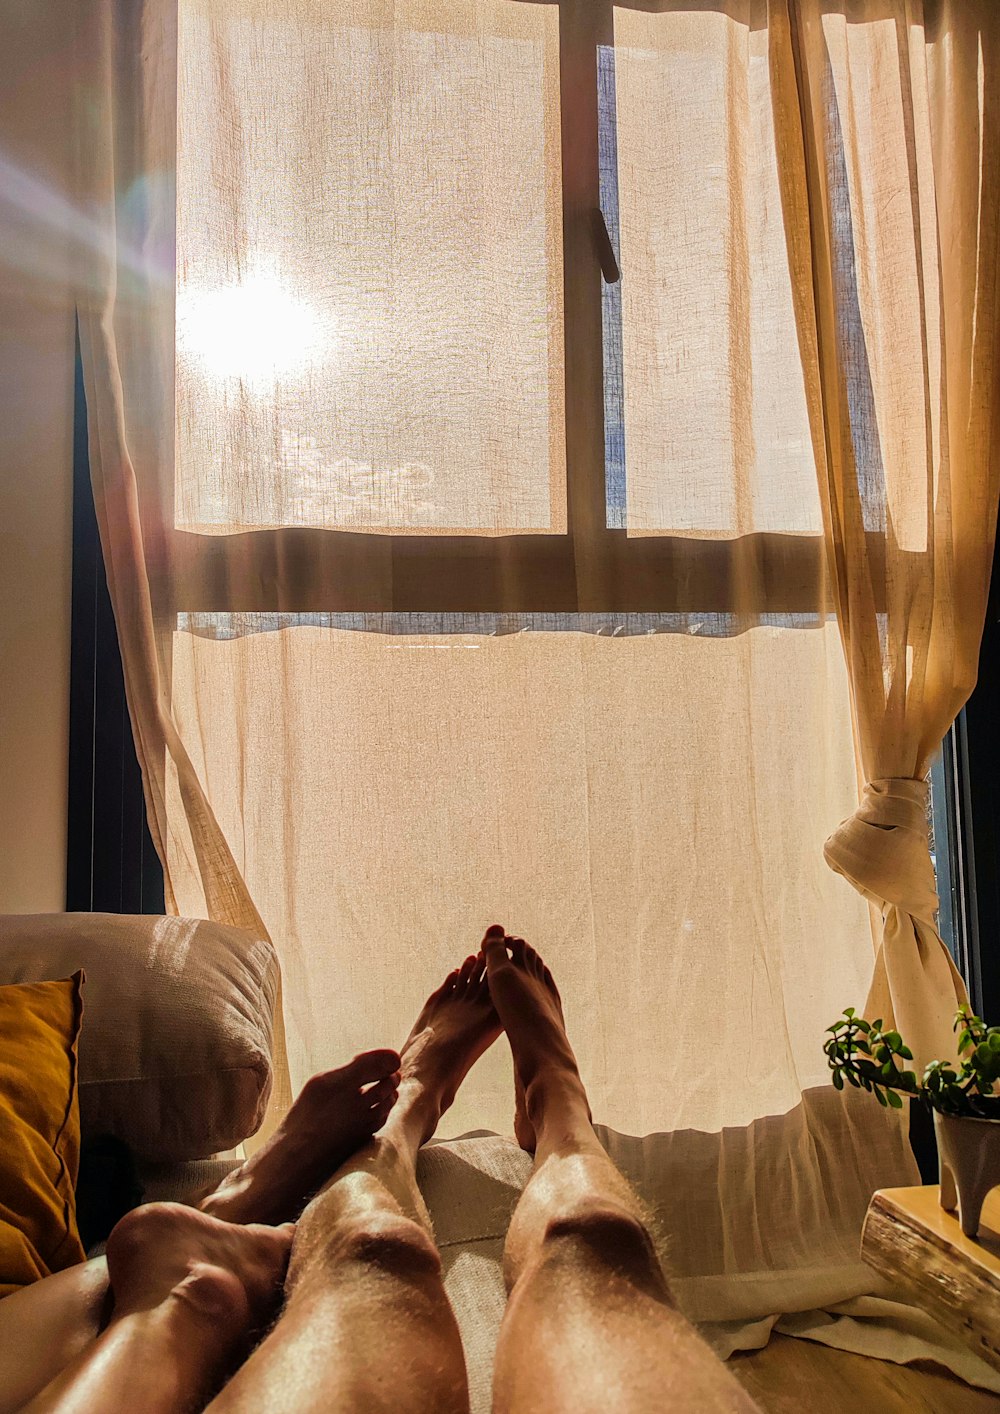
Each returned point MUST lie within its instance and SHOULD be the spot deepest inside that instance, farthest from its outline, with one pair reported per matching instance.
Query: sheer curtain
(892, 186)
(454, 586)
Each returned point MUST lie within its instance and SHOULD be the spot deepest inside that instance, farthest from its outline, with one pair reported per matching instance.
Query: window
(414, 401)
(479, 429)
(398, 362)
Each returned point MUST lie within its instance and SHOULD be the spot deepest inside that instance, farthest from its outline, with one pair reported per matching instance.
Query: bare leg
(590, 1323)
(367, 1326)
(47, 1325)
(189, 1290)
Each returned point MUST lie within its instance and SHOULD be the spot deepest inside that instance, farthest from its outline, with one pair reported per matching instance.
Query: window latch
(605, 250)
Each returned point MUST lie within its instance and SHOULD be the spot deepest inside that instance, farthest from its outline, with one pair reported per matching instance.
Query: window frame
(966, 804)
(591, 567)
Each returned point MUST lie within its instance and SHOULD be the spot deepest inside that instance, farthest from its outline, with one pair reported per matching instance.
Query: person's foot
(456, 1025)
(546, 1078)
(227, 1275)
(336, 1113)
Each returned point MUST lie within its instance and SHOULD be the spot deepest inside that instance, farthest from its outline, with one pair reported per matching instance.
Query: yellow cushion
(39, 1130)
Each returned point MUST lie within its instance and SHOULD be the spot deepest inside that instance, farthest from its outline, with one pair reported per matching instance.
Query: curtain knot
(883, 848)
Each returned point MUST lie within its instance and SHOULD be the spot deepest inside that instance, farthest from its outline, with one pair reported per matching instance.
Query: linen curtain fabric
(125, 162)
(455, 586)
(892, 188)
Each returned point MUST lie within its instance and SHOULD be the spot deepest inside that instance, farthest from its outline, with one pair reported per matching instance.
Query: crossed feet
(504, 987)
(219, 1264)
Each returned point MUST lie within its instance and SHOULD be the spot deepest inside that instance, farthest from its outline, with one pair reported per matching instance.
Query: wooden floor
(792, 1376)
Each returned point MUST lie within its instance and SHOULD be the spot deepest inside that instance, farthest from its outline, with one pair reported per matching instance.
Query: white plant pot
(969, 1157)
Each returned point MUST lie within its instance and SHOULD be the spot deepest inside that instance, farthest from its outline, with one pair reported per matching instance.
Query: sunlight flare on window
(255, 331)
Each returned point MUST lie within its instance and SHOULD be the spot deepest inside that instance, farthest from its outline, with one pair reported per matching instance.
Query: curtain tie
(883, 848)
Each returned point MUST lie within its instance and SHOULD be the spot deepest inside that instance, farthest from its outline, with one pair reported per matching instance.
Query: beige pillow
(175, 1053)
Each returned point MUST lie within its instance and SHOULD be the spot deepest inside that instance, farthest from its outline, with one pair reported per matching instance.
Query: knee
(599, 1231)
(151, 1226)
(387, 1242)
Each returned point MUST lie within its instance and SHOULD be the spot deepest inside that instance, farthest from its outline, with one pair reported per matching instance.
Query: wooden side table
(909, 1238)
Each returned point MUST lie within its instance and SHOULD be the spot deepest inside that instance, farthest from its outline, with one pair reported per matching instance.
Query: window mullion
(584, 25)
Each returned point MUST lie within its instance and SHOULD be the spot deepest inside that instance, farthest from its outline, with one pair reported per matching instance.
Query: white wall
(36, 417)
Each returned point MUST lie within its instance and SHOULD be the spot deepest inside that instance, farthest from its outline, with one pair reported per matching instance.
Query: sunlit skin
(56, 1321)
(365, 1324)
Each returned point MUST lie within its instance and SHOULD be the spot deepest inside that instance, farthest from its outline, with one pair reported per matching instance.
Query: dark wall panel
(111, 865)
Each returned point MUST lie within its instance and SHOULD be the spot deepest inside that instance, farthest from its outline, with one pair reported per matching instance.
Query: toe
(466, 972)
(383, 1090)
(380, 1113)
(519, 951)
(446, 987)
(275, 1237)
(494, 947)
(372, 1065)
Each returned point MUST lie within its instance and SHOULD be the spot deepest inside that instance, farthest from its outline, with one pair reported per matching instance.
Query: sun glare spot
(255, 331)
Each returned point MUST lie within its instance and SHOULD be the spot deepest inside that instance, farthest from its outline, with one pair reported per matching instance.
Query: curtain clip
(605, 250)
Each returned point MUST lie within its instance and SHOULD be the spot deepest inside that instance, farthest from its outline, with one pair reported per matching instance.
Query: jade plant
(865, 1056)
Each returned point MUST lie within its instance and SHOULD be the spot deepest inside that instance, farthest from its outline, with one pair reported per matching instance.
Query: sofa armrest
(176, 1046)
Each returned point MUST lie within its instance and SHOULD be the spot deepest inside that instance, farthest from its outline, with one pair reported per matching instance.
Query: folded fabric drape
(888, 117)
(882, 848)
(125, 156)
(883, 851)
